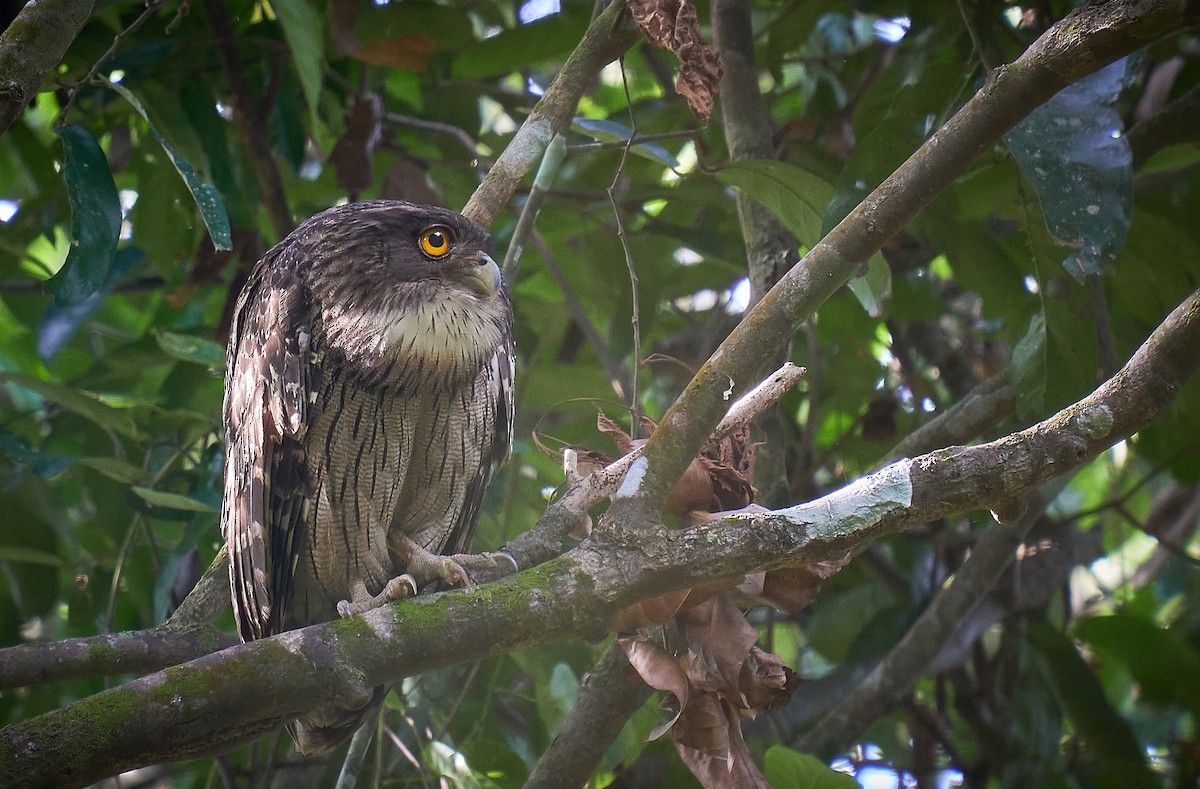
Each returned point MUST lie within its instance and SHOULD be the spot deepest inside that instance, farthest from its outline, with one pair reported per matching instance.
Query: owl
(368, 402)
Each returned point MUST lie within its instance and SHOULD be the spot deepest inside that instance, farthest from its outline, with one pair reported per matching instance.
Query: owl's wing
(492, 411)
(270, 384)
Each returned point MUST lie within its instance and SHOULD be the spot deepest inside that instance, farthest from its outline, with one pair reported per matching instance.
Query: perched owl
(368, 402)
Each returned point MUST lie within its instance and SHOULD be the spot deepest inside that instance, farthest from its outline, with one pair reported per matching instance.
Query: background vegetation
(175, 142)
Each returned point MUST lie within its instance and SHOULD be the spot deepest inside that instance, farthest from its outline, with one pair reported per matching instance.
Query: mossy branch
(218, 700)
(1084, 41)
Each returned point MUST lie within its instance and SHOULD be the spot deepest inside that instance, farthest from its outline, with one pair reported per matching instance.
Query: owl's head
(404, 286)
(390, 246)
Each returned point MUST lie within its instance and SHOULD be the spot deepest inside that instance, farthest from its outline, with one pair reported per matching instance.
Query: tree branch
(1085, 40)
(609, 35)
(187, 634)
(206, 704)
(32, 45)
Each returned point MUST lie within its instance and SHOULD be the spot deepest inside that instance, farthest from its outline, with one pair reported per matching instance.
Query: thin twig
(151, 7)
(633, 139)
(617, 375)
(633, 279)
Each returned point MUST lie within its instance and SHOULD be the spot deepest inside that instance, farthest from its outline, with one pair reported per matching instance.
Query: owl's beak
(481, 275)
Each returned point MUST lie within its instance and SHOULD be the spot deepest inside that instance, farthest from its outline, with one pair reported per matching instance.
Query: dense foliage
(135, 198)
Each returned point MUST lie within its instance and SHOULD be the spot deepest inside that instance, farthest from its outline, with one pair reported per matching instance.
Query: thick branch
(1084, 41)
(32, 46)
(202, 706)
(770, 248)
(895, 676)
(188, 634)
(606, 39)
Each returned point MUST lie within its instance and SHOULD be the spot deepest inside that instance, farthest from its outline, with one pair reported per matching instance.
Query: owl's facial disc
(479, 274)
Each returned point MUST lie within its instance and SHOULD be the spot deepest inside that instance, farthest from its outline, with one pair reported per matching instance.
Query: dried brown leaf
(766, 683)
(719, 640)
(658, 670)
(708, 737)
(354, 152)
(672, 24)
(792, 588)
(649, 612)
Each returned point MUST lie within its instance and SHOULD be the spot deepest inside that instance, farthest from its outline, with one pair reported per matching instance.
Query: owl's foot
(461, 569)
(399, 588)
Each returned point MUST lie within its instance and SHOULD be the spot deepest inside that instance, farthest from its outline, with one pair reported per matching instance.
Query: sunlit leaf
(799, 198)
(789, 769)
(611, 131)
(172, 501)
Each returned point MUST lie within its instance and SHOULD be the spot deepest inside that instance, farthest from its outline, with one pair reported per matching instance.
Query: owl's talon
(496, 556)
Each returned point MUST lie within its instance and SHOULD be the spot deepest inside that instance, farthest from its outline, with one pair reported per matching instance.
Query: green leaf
(1029, 368)
(1072, 151)
(519, 47)
(95, 217)
(17, 553)
(1112, 743)
(1166, 667)
(187, 348)
(796, 196)
(875, 287)
(788, 769)
(77, 401)
(305, 36)
(207, 198)
(173, 501)
(114, 469)
(611, 131)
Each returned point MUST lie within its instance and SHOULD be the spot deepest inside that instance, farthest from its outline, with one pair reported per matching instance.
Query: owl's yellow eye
(436, 241)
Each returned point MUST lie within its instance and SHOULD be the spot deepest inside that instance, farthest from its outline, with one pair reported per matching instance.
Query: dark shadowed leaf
(60, 322)
(518, 47)
(1029, 368)
(95, 217)
(1108, 736)
(1166, 667)
(208, 199)
(77, 401)
(171, 501)
(1074, 152)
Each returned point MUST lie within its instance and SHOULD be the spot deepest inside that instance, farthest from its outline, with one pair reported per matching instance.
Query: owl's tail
(325, 728)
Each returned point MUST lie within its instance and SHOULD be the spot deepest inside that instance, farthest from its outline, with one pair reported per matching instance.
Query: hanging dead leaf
(672, 24)
(649, 612)
(719, 640)
(354, 152)
(409, 51)
(660, 671)
(708, 738)
(765, 682)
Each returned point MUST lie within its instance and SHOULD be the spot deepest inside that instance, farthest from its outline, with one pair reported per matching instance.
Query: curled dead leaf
(765, 682)
(660, 671)
(673, 25)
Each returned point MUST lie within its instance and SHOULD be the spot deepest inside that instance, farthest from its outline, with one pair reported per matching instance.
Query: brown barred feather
(368, 395)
